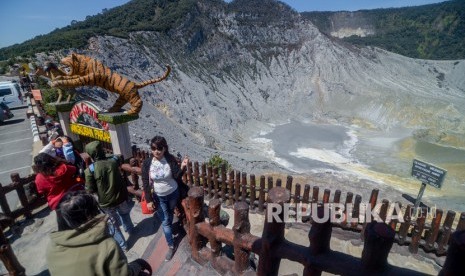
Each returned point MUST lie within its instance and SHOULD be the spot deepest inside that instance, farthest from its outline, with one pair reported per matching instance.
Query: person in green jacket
(82, 245)
(104, 178)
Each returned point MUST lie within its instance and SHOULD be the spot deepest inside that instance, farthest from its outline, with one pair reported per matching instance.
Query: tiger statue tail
(145, 83)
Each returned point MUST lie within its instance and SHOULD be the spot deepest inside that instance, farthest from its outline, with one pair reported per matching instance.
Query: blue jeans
(119, 215)
(166, 212)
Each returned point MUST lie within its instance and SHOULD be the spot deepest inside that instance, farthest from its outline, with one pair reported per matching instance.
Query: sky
(26, 19)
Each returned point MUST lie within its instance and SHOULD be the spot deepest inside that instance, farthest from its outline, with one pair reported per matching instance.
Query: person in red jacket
(54, 178)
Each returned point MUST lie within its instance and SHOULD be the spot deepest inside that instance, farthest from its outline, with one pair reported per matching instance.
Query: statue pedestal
(119, 131)
(63, 110)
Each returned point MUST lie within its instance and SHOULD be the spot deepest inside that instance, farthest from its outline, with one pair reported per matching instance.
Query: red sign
(86, 113)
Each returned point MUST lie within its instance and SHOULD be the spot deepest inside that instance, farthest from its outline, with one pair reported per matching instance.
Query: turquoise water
(385, 156)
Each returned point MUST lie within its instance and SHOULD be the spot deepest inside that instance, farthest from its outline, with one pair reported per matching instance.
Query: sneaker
(170, 254)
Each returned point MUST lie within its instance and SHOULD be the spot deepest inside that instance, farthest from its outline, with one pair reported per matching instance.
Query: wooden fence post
(195, 216)
(434, 231)
(4, 202)
(319, 236)
(296, 199)
(134, 176)
(253, 194)
(244, 186)
(224, 184)
(8, 257)
(230, 188)
(455, 256)
(446, 230)
(379, 238)
(405, 226)
(21, 194)
(347, 210)
(190, 178)
(261, 194)
(214, 220)
(241, 227)
(217, 191)
(289, 183)
(209, 180)
(203, 178)
(273, 232)
(237, 186)
(461, 224)
(196, 174)
(417, 231)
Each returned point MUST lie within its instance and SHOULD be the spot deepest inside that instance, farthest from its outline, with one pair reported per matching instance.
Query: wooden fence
(27, 194)
(272, 247)
(428, 231)
(29, 198)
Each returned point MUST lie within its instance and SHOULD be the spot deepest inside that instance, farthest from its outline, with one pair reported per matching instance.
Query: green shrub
(50, 95)
(217, 162)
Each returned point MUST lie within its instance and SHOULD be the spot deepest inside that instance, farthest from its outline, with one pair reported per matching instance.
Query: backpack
(92, 168)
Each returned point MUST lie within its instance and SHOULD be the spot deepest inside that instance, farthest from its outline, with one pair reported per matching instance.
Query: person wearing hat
(82, 244)
(60, 147)
(104, 178)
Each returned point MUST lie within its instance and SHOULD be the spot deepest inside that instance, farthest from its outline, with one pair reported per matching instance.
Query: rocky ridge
(236, 70)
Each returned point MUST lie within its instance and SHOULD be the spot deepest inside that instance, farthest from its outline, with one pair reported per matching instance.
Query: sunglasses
(157, 148)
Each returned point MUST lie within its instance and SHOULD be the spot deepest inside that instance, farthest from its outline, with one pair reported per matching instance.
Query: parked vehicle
(10, 94)
(5, 112)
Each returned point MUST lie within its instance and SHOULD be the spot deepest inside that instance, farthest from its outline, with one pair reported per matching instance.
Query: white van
(10, 94)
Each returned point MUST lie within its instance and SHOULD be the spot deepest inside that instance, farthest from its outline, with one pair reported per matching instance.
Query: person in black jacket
(162, 175)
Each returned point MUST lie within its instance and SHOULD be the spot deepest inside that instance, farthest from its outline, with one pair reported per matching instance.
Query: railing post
(455, 255)
(214, 220)
(241, 227)
(379, 238)
(134, 176)
(405, 226)
(461, 224)
(253, 194)
(434, 231)
(244, 187)
(21, 194)
(289, 183)
(319, 236)
(216, 185)
(261, 194)
(8, 257)
(196, 174)
(231, 188)
(237, 186)
(190, 178)
(203, 179)
(417, 231)
(4, 203)
(195, 216)
(273, 231)
(446, 230)
(207, 172)
(224, 184)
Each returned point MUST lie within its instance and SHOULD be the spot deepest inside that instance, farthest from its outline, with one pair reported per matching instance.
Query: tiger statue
(85, 70)
(50, 71)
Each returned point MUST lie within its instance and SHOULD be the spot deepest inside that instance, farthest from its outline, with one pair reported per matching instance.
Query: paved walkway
(148, 243)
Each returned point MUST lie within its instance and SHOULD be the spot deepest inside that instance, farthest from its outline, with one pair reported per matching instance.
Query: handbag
(143, 205)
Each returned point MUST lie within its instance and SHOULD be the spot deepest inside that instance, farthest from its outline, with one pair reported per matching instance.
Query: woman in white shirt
(162, 174)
